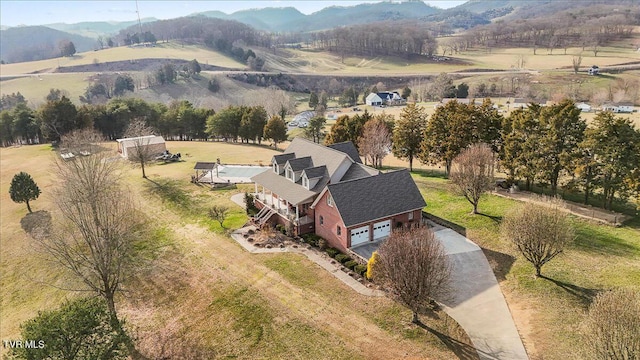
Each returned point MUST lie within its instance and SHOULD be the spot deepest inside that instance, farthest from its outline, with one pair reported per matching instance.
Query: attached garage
(381, 229)
(359, 235)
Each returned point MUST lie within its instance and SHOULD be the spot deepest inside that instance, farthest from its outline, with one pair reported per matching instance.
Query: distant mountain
(292, 20)
(30, 43)
(537, 8)
(94, 29)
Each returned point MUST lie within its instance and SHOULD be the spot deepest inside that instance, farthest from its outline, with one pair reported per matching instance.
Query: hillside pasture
(35, 88)
(508, 58)
(170, 50)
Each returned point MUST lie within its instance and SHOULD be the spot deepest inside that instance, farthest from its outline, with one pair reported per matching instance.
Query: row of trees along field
(590, 28)
(386, 38)
(551, 146)
(180, 120)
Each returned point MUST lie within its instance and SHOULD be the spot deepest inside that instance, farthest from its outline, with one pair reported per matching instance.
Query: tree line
(590, 28)
(180, 120)
(551, 146)
(377, 39)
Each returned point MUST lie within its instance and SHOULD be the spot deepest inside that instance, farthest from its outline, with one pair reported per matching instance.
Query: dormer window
(289, 173)
(330, 200)
(305, 182)
(276, 168)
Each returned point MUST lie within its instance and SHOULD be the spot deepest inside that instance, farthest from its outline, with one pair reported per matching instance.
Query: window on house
(275, 168)
(330, 200)
(289, 174)
(410, 216)
(321, 220)
(305, 182)
(338, 230)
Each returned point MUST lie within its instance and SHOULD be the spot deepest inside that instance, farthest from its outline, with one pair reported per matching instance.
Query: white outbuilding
(128, 147)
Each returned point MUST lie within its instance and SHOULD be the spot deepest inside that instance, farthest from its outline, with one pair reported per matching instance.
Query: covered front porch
(299, 215)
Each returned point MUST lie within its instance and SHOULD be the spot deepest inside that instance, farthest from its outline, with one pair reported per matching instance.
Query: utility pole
(139, 22)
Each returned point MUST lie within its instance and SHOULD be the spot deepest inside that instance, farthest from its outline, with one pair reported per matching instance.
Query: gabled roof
(376, 197)
(386, 95)
(299, 164)
(348, 148)
(358, 171)
(282, 158)
(321, 155)
(315, 172)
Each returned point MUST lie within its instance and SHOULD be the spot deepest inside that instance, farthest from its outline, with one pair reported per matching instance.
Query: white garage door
(381, 229)
(359, 235)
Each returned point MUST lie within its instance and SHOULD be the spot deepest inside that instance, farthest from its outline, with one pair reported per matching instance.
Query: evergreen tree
(408, 133)
(313, 100)
(275, 130)
(23, 189)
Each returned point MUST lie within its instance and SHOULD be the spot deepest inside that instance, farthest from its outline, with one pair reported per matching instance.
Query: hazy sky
(13, 13)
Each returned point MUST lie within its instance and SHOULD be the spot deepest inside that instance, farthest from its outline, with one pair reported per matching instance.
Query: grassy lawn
(205, 296)
(548, 312)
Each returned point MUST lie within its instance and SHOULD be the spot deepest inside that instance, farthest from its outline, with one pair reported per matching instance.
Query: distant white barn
(127, 147)
(584, 107)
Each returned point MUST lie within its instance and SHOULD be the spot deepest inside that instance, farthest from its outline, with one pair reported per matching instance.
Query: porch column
(271, 198)
(297, 213)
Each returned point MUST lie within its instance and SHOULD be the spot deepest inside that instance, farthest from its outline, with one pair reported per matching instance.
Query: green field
(547, 312)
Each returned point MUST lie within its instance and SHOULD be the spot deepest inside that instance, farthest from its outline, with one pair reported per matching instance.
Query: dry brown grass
(206, 294)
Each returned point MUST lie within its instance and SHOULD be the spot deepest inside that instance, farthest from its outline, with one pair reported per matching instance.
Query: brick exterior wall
(331, 220)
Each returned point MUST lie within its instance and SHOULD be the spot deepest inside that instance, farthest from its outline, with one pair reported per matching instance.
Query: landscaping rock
(281, 246)
(295, 246)
(269, 246)
(250, 239)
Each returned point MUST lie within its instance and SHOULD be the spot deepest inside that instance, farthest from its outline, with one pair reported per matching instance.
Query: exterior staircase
(263, 215)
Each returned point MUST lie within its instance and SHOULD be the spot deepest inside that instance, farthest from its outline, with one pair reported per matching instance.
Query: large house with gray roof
(327, 190)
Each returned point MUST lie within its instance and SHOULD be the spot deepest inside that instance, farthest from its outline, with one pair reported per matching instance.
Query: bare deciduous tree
(375, 142)
(142, 152)
(613, 325)
(472, 173)
(576, 61)
(100, 227)
(539, 232)
(413, 266)
(219, 213)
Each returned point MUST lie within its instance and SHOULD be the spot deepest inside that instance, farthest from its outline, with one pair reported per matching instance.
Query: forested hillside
(30, 43)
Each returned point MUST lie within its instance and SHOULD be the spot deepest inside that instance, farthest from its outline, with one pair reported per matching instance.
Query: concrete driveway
(477, 303)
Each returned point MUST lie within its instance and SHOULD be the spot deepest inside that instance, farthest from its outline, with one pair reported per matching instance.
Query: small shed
(127, 147)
